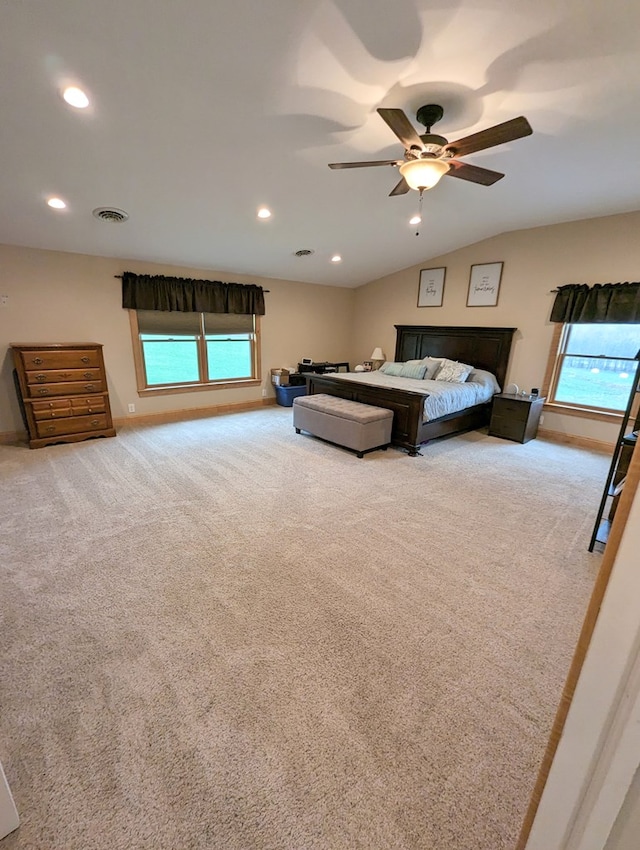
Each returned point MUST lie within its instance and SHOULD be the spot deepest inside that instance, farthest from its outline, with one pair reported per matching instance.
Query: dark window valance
(184, 295)
(618, 303)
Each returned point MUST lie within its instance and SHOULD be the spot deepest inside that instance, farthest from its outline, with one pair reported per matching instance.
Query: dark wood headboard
(484, 348)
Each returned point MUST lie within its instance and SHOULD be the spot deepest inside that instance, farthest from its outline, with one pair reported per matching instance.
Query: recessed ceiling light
(75, 97)
(263, 212)
(415, 220)
(336, 258)
(57, 203)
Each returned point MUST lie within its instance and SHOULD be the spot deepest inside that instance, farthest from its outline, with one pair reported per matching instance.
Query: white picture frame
(484, 284)
(431, 287)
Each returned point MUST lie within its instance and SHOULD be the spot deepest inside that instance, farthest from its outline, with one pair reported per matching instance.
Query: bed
(485, 349)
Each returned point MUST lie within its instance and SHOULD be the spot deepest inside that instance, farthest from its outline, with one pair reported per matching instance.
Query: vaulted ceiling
(201, 112)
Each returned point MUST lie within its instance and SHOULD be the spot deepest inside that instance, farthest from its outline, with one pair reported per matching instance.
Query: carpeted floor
(220, 634)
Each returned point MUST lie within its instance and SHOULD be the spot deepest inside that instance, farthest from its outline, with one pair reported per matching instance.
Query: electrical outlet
(131, 408)
(264, 393)
(542, 418)
(4, 299)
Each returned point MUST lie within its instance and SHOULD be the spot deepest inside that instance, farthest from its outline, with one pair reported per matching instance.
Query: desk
(321, 368)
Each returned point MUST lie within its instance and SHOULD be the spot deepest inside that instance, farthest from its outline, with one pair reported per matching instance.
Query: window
(194, 350)
(595, 366)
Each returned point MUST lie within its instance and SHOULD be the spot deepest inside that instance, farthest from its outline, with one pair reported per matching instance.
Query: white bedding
(441, 397)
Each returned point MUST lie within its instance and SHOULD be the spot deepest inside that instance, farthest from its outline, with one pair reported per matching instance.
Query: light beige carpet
(220, 634)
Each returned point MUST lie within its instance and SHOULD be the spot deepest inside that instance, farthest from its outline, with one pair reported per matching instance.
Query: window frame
(552, 375)
(199, 386)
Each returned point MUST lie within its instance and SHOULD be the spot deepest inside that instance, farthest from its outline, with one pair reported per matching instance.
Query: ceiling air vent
(303, 252)
(115, 216)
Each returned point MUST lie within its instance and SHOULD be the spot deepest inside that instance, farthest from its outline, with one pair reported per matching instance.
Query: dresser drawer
(72, 425)
(70, 388)
(59, 408)
(509, 429)
(517, 410)
(53, 359)
(51, 409)
(54, 376)
(84, 405)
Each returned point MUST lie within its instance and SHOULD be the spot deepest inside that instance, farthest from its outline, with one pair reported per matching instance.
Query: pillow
(454, 372)
(432, 364)
(485, 379)
(414, 369)
(389, 368)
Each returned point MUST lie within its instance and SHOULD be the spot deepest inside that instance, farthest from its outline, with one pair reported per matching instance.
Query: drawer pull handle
(84, 359)
(88, 375)
(43, 391)
(41, 377)
(89, 387)
(50, 428)
(37, 360)
(95, 421)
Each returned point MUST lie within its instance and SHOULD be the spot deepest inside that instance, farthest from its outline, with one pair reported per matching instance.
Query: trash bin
(286, 395)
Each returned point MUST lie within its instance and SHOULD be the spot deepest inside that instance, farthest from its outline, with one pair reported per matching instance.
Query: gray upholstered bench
(356, 426)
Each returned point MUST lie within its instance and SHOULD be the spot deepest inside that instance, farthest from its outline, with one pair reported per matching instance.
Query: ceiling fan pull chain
(421, 193)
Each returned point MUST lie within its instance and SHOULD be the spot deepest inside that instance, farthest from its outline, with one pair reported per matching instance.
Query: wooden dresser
(63, 392)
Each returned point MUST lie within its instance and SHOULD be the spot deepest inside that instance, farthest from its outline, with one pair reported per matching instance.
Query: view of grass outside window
(597, 365)
(195, 348)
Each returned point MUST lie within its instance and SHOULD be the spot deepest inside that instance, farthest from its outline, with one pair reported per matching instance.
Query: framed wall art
(484, 285)
(431, 288)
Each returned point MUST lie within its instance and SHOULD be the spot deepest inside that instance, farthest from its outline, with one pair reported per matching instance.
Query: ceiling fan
(428, 157)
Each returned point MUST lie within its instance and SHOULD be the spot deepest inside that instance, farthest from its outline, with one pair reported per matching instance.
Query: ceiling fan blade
(363, 164)
(400, 188)
(473, 173)
(402, 127)
(498, 135)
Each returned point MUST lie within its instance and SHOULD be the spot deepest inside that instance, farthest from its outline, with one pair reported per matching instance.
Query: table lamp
(378, 357)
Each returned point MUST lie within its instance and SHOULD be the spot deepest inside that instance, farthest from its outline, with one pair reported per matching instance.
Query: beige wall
(59, 297)
(599, 250)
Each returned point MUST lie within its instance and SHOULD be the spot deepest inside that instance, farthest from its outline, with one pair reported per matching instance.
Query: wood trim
(141, 380)
(137, 352)
(10, 438)
(193, 413)
(575, 440)
(196, 388)
(258, 349)
(552, 358)
(588, 626)
(583, 413)
(548, 383)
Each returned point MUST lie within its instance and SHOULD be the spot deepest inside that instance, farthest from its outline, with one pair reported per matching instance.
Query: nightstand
(515, 417)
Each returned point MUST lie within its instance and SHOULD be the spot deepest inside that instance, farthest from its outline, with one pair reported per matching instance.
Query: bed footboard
(409, 431)
(406, 406)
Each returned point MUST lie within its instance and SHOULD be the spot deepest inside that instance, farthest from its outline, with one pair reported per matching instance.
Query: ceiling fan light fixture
(423, 173)
(75, 97)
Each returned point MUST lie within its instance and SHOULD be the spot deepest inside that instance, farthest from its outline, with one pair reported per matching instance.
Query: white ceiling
(202, 110)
